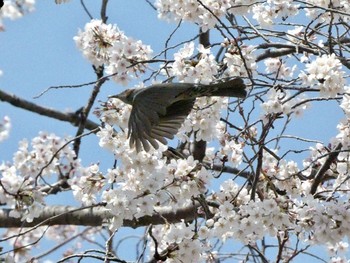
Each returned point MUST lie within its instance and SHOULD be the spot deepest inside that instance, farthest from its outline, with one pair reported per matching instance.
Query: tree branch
(97, 216)
(287, 49)
(282, 50)
(70, 117)
(321, 172)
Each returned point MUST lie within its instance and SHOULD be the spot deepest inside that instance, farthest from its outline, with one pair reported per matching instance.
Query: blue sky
(38, 51)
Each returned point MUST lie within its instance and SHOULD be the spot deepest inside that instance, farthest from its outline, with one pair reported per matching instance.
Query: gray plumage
(159, 110)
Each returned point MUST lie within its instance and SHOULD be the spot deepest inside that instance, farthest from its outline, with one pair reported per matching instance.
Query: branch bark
(282, 50)
(324, 168)
(97, 216)
(71, 117)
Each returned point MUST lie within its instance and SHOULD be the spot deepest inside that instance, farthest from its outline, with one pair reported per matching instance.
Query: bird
(159, 110)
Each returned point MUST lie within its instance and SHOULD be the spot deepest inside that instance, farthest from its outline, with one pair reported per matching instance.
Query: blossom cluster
(48, 155)
(342, 6)
(230, 150)
(282, 173)
(281, 101)
(104, 44)
(15, 9)
(322, 222)
(207, 12)
(340, 168)
(316, 220)
(203, 120)
(325, 73)
(190, 70)
(239, 218)
(86, 187)
(145, 179)
(180, 238)
(194, 11)
(203, 68)
(252, 222)
(239, 62)
(278, 69)
(267, 12)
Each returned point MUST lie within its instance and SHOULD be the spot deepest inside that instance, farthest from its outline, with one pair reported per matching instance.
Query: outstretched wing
(155, 116)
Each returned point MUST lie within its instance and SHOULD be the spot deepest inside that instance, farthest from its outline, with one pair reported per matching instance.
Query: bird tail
(231, 88)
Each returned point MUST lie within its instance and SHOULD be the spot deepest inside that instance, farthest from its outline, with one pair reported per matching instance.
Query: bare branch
(86, 110)
(97, 216)
(72, 117)
(321, 172)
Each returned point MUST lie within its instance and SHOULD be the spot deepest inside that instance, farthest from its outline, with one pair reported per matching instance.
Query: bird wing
(170, 123)
(155, 115)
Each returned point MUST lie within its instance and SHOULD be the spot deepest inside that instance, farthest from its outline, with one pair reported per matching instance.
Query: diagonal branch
(70, 117)
(324, 168)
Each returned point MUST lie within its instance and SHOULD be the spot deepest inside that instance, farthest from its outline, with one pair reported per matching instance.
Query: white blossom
(325, 73)
(105, 44)
(278, 69)
(239, 62)
(46, 155)
(279, 102)
(341, 5)
(192, 10)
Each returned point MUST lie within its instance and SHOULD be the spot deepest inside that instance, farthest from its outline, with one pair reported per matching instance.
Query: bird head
(126, 96)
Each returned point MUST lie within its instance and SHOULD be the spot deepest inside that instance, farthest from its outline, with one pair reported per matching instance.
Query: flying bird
(159, 110)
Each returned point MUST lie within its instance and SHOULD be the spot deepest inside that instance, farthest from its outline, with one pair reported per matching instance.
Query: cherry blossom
(326, 74)
(105, 44)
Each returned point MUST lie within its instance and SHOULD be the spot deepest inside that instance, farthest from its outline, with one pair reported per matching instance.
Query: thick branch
(324, 168)
(97, 216)
(70, 117)
(228, 169)
(282, 50)
(287, 49)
